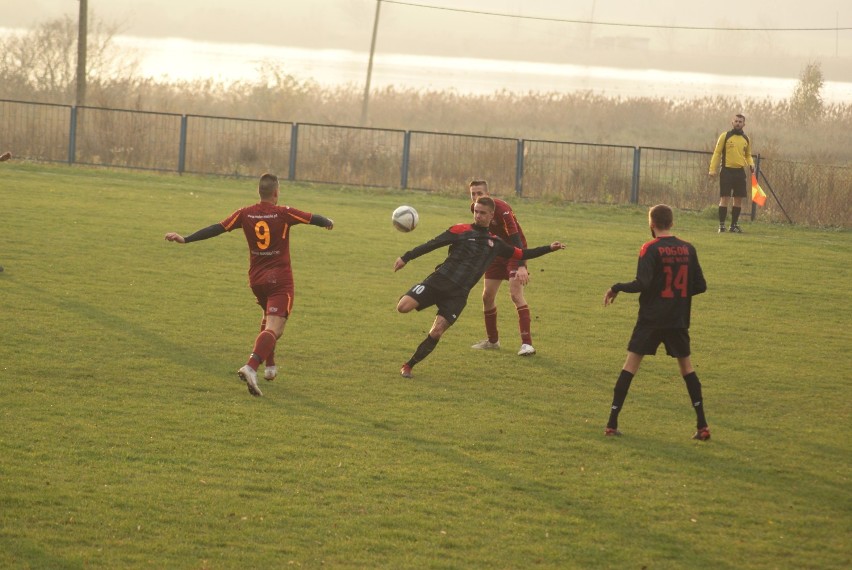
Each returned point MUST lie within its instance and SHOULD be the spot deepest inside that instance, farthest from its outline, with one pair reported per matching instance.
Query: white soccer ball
(405, 218)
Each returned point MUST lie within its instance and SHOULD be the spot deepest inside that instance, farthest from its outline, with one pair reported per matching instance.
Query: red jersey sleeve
(233, 221)
(297, 216)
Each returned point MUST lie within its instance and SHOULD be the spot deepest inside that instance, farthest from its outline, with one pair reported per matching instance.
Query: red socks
(270, 360)
(491, 324)
(264, 345)
(524, 324)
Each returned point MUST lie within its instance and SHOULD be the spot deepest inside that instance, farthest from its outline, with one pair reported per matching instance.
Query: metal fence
(578, 172)
(233, 147)
(807, 193)
(133, 139)
(443, 160)
(418, 160)
(36, 131)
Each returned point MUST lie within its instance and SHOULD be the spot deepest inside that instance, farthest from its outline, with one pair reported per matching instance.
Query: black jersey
(667, 276)
(472, 249)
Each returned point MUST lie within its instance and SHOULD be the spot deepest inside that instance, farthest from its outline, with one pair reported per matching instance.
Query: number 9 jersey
(668, 275)
(267, 230)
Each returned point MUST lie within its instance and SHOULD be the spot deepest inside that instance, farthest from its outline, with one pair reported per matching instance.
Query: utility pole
(82, 38)
(366, 103)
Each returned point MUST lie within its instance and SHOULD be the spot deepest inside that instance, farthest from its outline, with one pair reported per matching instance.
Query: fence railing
(418, 160)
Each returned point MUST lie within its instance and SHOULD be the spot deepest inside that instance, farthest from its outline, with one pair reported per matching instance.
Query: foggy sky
(347, 24)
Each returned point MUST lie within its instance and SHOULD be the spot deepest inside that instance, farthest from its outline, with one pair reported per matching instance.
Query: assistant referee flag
(758, 196)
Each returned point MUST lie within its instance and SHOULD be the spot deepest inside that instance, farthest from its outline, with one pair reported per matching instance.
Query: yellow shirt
(737, 153)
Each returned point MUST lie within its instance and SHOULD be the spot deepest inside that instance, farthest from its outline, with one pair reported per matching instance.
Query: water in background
(179, 59)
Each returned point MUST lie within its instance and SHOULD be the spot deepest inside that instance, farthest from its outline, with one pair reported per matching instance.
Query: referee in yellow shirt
(733, 154)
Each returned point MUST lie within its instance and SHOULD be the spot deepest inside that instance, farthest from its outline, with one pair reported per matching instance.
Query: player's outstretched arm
(322, 221)
(204, 233)
(532, 253)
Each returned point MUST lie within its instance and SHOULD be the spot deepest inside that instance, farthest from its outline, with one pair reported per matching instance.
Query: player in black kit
(667, 277)
(472, 249)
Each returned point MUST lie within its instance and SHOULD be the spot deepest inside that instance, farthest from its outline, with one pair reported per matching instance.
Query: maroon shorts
(276, 299)
(499, 269)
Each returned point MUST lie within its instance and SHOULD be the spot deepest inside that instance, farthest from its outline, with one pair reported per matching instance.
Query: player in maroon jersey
(266, 226)
(504, 225)
(667, 277)
(472, 248)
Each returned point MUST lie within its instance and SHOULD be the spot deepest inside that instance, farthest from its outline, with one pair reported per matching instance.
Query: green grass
(127, 440)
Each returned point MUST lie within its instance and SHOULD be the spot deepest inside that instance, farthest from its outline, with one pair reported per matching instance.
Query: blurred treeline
(39, 66)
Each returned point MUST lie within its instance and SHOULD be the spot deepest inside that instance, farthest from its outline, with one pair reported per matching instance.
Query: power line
(614, 24)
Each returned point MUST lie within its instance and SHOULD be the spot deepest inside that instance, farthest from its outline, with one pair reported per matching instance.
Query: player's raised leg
(439, 327)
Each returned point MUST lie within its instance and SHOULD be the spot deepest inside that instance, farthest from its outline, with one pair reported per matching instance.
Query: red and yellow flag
(758, 196)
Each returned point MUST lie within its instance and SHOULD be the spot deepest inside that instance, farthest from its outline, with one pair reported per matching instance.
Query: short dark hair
(267, 185)
(661, 216)
(741, 116)
(487, 202)
(478, 182)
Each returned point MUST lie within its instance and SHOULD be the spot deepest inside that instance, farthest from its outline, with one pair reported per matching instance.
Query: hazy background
(517, 75)
(347, 25)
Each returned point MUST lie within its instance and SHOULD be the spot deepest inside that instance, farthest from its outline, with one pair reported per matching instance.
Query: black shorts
(645, 341)
(732, 182)
(440, 291)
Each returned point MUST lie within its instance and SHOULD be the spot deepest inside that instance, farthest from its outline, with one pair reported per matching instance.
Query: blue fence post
(72, 136)
(406, 153)
(634, 185)
(182, 149)
(294, 145)
(519, 169)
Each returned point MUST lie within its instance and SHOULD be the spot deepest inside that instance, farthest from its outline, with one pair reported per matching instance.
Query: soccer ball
(405, 218)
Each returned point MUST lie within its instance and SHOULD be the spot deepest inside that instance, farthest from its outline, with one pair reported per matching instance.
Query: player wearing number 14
(266, 226)
(667, 277)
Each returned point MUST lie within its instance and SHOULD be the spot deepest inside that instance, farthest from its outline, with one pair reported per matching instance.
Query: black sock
(723, 213)
(693, 386)
(622, 385)
(735, 215)
(425, 348)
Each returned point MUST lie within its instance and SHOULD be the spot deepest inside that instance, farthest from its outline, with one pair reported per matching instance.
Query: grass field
(127, 440)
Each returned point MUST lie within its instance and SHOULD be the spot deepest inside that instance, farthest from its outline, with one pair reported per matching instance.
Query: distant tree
(40, 64)
(806, 105)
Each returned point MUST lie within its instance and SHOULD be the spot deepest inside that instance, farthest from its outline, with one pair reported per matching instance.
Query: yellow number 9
(261, 230)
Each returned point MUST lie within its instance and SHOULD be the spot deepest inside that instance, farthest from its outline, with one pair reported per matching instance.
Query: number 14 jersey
(668, 275)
